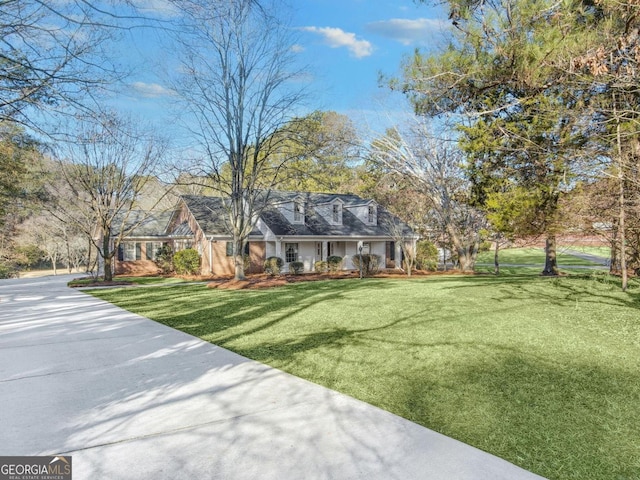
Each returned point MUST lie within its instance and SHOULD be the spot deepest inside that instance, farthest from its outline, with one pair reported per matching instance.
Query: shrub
(296, 267)
(273, 265)
(28, 256)
(370, 263)
(164, 258)
(426, 255)
(485, 246)
(334, 263)
(7, 270)
(187, 262)
(321, 266)
(246, 262)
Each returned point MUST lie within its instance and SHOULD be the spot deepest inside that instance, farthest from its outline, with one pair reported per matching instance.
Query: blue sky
(345, 43)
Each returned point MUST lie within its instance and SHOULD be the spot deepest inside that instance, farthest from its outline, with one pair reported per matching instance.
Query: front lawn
(544, 372)
(531, 256)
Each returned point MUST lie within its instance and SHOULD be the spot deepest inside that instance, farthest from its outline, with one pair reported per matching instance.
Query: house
(295, 226)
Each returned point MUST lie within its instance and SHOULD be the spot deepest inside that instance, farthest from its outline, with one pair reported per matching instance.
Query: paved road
(131, 399)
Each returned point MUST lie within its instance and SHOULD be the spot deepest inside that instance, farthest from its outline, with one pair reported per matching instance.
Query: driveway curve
(129, 398)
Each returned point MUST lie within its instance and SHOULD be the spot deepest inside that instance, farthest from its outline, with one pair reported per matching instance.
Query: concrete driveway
(132, 399)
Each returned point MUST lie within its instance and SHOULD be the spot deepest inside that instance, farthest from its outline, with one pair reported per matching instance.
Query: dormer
(372, 214)
(335, 212)
(298, 212)
(293, 210)
(367, 212)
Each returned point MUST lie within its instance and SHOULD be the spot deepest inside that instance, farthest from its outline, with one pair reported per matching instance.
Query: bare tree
(434, 166)
(54, 56)
(402, 236)
(237, 80)
(103, 174)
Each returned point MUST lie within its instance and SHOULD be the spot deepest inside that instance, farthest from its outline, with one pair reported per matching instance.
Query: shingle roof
(182, 230)
(211, 214)
(316, 225)
(145, 224)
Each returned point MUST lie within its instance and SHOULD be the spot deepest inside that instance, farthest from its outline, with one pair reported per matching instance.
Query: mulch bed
(263, 280)
(258, 281)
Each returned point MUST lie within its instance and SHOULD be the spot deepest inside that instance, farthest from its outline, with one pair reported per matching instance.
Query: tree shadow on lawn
(208, 314)
(560, 419)
(554, 290)
(575, 421)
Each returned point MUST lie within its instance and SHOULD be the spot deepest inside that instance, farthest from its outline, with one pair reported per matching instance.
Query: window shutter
(120, 253)
(149, 250)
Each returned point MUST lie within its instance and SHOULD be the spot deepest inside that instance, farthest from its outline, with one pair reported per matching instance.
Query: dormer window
(371, 214)
(337, 213)
(298, 212)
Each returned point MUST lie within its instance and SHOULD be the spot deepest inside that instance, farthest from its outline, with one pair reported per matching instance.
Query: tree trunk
(238, 250)
(613, 256)
(90, 245)
(108, 274)
(466, 253)
(623, 238)
(466, 259)
(66, 241)
(550, 262)
(496, 260)
(621, 202)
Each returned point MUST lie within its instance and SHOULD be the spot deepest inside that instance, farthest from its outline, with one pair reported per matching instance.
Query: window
(132, 251)
(298, 212)
(331, 249)
(229, 249)
(319, 249)
(366, 248)
(371, 214)
(182, 245)
(152, 250)
(336, 213)
(291, 252)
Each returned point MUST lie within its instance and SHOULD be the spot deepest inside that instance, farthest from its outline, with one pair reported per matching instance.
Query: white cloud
(151, 90)
(408, 31)
(297, 48)
(162, 8)
(336, 38)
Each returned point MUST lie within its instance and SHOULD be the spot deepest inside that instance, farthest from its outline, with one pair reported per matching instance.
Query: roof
(145, 224)
(316, 225)
(312, 198)
(211, 214)
(182, 230)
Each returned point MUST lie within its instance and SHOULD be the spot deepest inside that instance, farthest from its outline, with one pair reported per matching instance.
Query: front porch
(311, 251)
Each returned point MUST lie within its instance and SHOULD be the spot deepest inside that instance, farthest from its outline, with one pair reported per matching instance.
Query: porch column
(399, 255)
(325, 251)
(278, 248)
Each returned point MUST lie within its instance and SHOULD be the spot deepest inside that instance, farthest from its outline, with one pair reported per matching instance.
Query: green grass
(543, 372)
(604, 252)
(530, 256)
